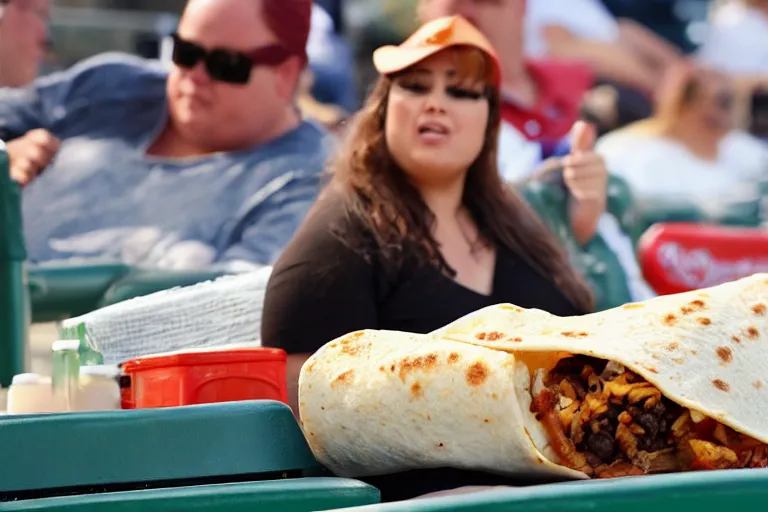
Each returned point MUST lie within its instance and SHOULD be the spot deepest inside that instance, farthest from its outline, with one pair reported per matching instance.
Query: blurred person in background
(737, 45)
(206, 166)
(687, 162)
(23, 40)
(331, 63)
(621, 52)
(540, 104)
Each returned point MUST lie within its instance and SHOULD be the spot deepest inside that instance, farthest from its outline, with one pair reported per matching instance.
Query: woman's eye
(459, 93)
(414, 87)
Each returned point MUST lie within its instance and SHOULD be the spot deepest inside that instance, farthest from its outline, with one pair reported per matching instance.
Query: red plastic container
(198, 377)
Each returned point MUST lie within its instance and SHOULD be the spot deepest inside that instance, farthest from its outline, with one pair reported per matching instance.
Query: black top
(321, 289)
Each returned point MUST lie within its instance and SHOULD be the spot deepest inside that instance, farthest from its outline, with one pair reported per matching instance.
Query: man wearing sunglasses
(205, 166)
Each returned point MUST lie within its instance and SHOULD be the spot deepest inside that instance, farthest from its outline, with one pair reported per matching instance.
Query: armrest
(146, 281)
(63, 290)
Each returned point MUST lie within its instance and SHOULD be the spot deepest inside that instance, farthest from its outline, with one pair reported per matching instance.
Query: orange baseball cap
(433, 37)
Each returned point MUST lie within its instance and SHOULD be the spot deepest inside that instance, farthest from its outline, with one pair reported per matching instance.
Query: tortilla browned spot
(698, 304)
(477, 374)
(721, 385)
(704, 320)
(351, 350)
(453, 358)
(516, 339)
(669, 319)
(759, 309)
(686, 310)
(736, 339)
(571, 334)
(486, 420)
(758, 384)
(752, 332)
(352, 337)
(310, 365)
(344, 377)
(494, 336)
(651, 369)
(440, 445)
(672, 346)
(416, 390)
(725, 353)
(633, 305)
(510, 308)
(407, 365)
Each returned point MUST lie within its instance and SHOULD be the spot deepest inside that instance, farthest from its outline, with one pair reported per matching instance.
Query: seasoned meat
(608, 422)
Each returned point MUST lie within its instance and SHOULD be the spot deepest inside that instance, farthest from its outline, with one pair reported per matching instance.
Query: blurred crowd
(214, 159)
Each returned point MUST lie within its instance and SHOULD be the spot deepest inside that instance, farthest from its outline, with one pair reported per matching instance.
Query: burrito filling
(608, 421)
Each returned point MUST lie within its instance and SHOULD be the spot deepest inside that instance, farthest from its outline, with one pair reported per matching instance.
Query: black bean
(593, 460)
(635, 412)
(663, 425)
(613, 413)
(602, 445)
(649, 422)
(659, 409)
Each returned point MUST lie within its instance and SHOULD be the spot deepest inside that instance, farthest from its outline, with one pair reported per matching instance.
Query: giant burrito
(676, 383)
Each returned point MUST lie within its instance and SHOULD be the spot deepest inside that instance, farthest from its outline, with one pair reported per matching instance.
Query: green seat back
(746, 214)
(706, 491)
(147, 281)
(14, 305)
(232, 441)
(63, 290)
(295, 495)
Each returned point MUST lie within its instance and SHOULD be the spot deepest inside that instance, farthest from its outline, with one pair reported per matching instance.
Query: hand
(584, 171)
(30, 154)
(586, 178)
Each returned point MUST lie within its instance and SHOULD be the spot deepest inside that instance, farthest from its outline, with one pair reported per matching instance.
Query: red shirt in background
(562, 85)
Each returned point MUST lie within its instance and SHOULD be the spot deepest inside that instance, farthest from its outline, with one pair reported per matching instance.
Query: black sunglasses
(228, 66)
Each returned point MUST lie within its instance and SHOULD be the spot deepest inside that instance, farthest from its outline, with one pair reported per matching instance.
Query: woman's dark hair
(380, 195)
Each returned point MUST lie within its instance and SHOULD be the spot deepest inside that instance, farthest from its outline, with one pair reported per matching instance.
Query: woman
(416, 228)
(686, 162)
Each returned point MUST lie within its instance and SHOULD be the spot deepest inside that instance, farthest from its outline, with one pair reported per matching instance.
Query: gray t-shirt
(103, 198)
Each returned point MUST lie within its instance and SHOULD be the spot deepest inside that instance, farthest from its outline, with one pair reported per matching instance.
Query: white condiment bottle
(98, 389)
(31, 394)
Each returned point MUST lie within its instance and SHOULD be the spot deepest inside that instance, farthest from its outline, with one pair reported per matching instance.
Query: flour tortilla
(377, 402)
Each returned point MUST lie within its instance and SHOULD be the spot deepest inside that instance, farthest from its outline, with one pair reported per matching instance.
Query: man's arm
(269, 226)
(609, 61)
(54, 99)
(648, 44)
(21, 111)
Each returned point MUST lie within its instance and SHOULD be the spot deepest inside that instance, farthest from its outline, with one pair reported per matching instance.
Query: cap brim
(391, 59)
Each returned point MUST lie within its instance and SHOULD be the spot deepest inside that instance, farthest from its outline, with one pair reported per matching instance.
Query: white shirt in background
(588, 19)
(737, 40)
(661, 171)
